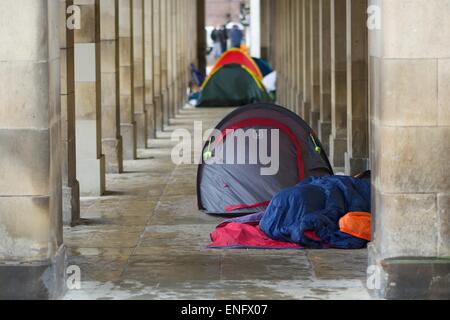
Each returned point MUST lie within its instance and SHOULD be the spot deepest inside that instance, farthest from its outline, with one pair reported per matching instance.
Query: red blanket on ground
(245, 236)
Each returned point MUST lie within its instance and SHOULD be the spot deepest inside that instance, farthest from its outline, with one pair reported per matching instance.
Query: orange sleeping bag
(357, 224)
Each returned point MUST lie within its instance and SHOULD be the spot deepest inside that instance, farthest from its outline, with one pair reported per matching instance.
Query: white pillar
(255, 38)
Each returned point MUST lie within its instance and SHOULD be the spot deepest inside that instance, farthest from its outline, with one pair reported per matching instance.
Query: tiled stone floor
(146, 240)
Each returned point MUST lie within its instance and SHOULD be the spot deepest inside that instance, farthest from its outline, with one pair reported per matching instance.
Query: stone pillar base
(113, 150)
(314, 117)
(176, 98)
(183, 95)
(306, 110)
(45, 280)
(91, 176)
(291, 97)
(287, 96)
(179, 100)
(158, 108)
(141, 129)
(338, 148)
(294, 95)
(354, 166)
(71, 205)
(128, 131)
(324, 135)
(171, 103)
(298, 103)
(409, 278)
(165, 107)
(176, 101)
(280, 89)
(150, 121)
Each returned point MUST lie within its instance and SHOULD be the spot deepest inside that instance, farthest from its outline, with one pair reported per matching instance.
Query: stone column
(325, 74)
(276, 51)
(274, 42)
(357, 156)
(140, 114)
(157, 63)
(294, 55)
(110, 86)
(266, 28)
(176, 55)
(410, 119)
(181, 46)
(271, 51)
(174, 103)
(255, 17)
(193, 28)
(148, 68)
(201, 43)
(90, 160)
(181, 69)
(292, 94)
(288, 50)
(164, 64)
(338, 138)
(314, 115)
(306, 105)
(128, 123)
(300, 52)
(280, 53)
(180, 83)
(285, 54)
(32, 254)
(71, 188)
(170, 65)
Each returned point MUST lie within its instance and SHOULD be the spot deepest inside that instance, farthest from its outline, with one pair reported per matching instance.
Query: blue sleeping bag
(317, 204)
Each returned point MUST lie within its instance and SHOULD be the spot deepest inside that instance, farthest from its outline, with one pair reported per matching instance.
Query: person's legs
(223, 46)
(217, 50)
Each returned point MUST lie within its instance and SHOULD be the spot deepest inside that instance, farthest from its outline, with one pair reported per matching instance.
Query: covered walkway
(90, 91)
(146, 239)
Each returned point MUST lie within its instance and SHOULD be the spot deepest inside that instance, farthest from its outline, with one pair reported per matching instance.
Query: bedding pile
(320, 212)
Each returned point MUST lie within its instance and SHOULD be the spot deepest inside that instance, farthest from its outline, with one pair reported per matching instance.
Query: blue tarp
(317, 204)
(197, 77)
(263, 66)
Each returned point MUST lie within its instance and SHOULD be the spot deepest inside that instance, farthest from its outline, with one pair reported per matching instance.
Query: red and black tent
(229, 186)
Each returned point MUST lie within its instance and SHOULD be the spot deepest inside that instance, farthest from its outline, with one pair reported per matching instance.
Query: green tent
(230, 86)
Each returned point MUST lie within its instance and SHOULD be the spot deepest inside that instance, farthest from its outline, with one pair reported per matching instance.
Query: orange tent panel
(237, 56)
(255, 77)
